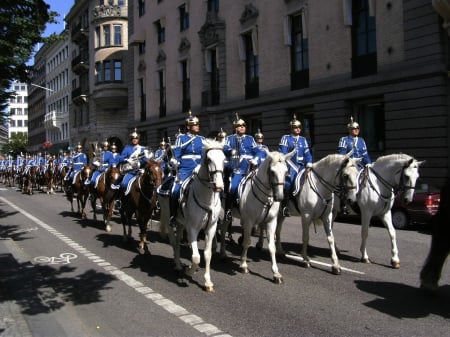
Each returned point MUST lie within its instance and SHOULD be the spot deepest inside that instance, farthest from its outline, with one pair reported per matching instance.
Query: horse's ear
(420, 163)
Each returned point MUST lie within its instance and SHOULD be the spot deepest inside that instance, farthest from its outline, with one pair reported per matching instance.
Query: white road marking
(300, 259)
(185, 316)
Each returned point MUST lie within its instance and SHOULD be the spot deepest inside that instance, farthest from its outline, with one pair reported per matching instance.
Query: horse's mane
(212, 144)
(393, 157)
(329, 159)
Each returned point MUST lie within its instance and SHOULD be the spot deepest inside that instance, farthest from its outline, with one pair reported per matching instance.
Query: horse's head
(152, 173)
(408, 176)
(112, 175)
(86, 174)
(348, 177)
(213, 162)
(276, 170)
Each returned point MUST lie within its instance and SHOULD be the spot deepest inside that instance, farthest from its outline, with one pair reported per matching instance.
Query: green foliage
(17, 143)
(22, 23)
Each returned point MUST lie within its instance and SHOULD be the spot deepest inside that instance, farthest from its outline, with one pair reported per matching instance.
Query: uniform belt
(191, 156)
(78, 163)
(247, 156)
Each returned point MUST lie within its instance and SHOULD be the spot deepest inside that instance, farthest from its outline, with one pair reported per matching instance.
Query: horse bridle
(153, 186)
(209, 182)
(400, 187)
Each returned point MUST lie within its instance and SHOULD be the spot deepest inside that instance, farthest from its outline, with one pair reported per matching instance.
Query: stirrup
(228, 215)
(173, 222)
(118, 204)
(285, 212)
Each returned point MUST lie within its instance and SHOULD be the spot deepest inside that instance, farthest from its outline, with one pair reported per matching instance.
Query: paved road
(68, 277)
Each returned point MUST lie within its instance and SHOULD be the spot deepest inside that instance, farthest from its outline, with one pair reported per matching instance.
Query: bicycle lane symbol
(63, 258)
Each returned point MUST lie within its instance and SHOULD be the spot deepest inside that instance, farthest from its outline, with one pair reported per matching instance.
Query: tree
(16, 144)
(22, 23)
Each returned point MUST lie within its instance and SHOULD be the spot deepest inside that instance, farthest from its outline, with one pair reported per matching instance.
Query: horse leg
(279, 249)
(270, 229)
(246, 228)
(142, 246)
(223, 231)
(387, 220)
(195, 258)
(107, 214)
(306, 221)
(365, 221)
(335, 268)
(207, 253)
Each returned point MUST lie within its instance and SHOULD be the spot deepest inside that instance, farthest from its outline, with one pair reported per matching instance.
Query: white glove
(173, 162)
(308, 165)
(368, 165)
(96, 163)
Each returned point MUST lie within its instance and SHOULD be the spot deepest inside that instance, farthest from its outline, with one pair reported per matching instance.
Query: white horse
(259, 204)
(378, 183)
(199, 209)
(315, 199)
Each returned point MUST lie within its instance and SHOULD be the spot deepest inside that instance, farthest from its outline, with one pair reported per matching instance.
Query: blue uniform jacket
(356, 147)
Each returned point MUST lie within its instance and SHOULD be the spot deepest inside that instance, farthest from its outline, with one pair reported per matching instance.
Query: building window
(184, 17)
(214, 77)
(107, 71)
(141, 7)
(299, 53)
(186, 85)
(370, 117)
(117, 35)
(162, 93)
(107, 35)
(249, 54)
(213, 6)
(141, 48)
(98, 40)
(117, 70)
(364, 40)
(161, 31)
(98, 71)
(142, 99)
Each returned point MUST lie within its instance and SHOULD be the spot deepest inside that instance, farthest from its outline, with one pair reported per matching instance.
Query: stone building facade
(383, 62)
(99, 45)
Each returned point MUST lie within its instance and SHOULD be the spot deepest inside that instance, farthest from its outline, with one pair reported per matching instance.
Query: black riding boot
(118, 202)
(173, 212)
(284, 205)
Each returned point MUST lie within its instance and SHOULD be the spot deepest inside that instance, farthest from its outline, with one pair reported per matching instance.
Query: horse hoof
(364, 260)
(141, 251)
(244, 270)
(336, 270)
(395, 264)
(108, 229)
(209, 289)
(278, 280)
(305, 264)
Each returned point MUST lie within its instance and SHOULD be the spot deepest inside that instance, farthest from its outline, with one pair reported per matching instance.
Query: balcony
(79, 33)
(53, 120)
(80, 64)
(110, 96)
(80, 96)
(109, 12)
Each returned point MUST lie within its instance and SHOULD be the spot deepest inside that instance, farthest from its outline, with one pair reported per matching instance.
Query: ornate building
(383, 62)
(99, 44)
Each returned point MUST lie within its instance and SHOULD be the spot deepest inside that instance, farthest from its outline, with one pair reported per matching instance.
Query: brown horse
(29, 180)
(106, 191)
(141, 200)
(49, 176)
(80, 187)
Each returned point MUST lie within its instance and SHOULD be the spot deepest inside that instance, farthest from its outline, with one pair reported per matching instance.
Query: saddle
(298, 183)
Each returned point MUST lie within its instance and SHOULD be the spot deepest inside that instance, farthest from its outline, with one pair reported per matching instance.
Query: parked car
(424, 205)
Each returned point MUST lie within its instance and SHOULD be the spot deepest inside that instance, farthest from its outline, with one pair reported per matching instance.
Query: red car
(424, 205)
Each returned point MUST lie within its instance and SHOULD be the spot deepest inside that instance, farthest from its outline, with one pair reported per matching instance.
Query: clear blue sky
(62, 7)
